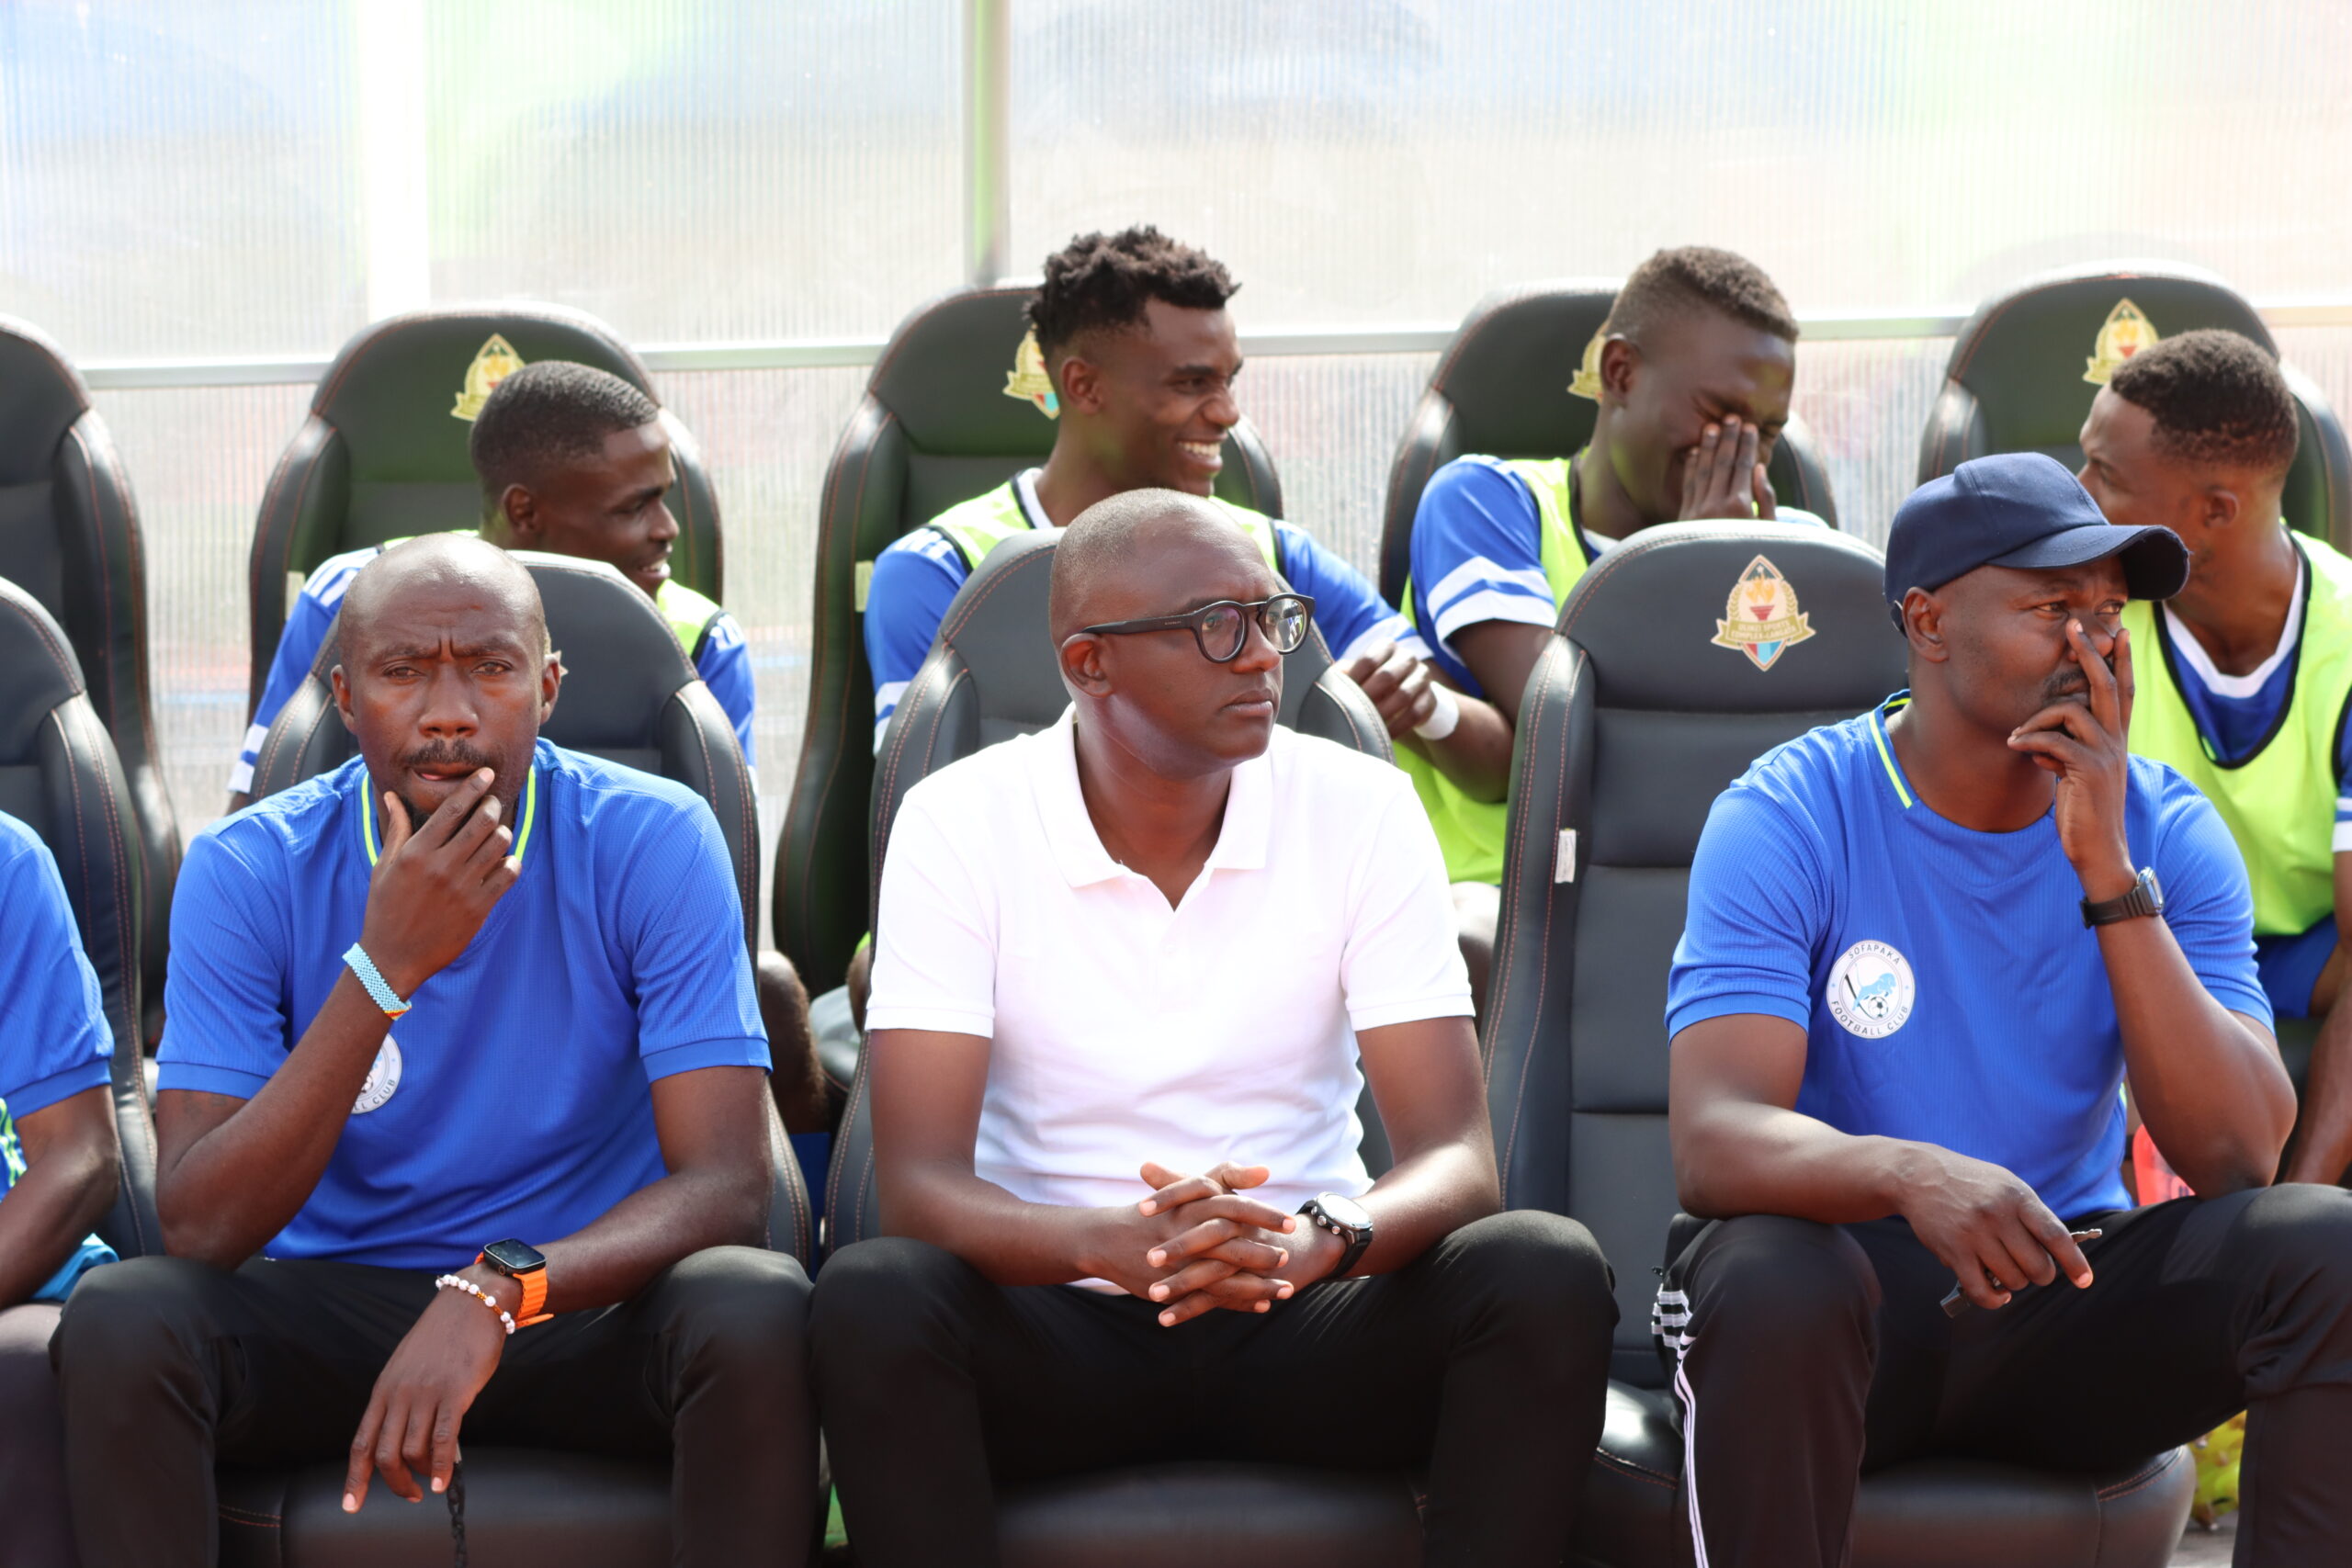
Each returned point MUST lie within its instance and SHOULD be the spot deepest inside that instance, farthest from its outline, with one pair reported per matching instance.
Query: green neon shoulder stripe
(1885, 751)
(522, 838)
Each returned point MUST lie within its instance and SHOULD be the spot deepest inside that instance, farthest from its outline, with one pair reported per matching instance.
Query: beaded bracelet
(453, 1283)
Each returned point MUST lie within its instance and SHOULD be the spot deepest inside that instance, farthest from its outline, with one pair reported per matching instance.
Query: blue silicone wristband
(377, 988)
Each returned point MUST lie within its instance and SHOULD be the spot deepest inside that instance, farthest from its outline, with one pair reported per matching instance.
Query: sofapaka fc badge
(1027, 379)
(1761, 619)
(2127, 331)
(496, 362)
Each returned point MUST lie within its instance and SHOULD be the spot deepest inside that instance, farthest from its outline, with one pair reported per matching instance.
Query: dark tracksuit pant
(167, 1365)
(1814, 1353)
(1485, 1358)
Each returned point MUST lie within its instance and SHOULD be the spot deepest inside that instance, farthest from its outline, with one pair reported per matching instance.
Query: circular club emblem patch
(1872, 991)
(383, 1079)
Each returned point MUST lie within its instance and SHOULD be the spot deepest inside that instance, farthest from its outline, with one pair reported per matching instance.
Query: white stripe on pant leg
(1690, 1453)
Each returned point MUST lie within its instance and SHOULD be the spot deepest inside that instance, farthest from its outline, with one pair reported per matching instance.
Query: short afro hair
(1100, 282)
(546, 412)
(1674, 283)
(2217, 398)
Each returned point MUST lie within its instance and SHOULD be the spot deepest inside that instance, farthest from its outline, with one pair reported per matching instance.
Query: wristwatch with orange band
(527, 1267)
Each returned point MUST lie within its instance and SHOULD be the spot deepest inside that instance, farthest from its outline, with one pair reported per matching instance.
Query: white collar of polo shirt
(1078, 849)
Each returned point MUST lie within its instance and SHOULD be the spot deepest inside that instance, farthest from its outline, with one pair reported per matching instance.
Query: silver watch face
(1344, 1211)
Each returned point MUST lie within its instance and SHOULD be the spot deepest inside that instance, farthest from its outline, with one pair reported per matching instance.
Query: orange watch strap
(534, 1299)
(530, 1309)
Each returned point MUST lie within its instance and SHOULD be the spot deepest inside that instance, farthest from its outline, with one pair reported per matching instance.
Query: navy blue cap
(2020, 509)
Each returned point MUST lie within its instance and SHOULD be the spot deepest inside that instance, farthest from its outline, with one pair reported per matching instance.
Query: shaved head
(1111, 558)
(443, 666)
(1150, 692)
(460, 563)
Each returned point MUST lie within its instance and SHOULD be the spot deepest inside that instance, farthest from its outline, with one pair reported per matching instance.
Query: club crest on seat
(496, 361)
(1762, 619)
(1027, 379)
(1588, 380)
(2126, 331)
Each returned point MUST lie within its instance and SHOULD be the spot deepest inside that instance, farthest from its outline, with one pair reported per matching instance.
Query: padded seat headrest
(1681, 617)
(1507, 373)
(2025, 353)
(943, 374)
(40, 397)
(393, 391)
(38, 671)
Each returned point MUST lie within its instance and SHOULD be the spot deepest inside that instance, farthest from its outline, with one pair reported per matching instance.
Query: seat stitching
(949, 633)
(1543, 951)
(247, 1516)
(133, 549)
(819, 667)
(938, 715)
(1639, 1472)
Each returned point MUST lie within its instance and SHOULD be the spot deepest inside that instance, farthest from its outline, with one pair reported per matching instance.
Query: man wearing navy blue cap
(1925, 949)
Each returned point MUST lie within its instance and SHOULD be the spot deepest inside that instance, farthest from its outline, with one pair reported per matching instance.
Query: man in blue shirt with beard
(1925, 949)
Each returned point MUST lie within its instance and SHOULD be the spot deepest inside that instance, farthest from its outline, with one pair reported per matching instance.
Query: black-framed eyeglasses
(1221, 629)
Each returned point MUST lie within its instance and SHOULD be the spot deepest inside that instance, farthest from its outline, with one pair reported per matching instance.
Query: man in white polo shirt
(1125, 971)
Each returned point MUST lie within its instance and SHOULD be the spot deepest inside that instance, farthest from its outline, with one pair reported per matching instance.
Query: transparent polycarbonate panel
(697, 170)
(198, 460)
(1866, 404)
(177, 180)
(767, 436)
(1387, 160)
(1330, 422)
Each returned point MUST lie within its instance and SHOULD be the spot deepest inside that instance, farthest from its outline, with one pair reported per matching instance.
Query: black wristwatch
(1344, 1218)
(2146, 898)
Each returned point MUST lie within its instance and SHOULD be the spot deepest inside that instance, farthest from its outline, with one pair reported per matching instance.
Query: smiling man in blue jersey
(2249, 695)
(1136, 357)
(60, 1164)
(573, 460)
(461, 1127)
(1694, 370)
(1925, 949)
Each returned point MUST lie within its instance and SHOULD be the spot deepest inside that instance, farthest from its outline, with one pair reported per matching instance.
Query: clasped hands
(1198, 1242)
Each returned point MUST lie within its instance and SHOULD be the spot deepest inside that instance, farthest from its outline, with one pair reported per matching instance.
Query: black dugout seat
(630, 696)
(934, 428)
(382, 455)
(59, 776)
(1634, 721)
(69, 536)
(1501, 388)
(991, 675)
(2025, 367)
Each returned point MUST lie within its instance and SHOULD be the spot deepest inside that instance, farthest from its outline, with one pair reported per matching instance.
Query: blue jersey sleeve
(226, 1028)
(1477, 554)
(725, 666)
(681, 925)
(54, 1042)
(1349, 610)
(2207, 902)
(1756, 908)
(914, 581)
(297, 643)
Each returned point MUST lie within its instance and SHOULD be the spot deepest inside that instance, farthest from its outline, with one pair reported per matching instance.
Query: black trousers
(34, 1524)
(167, 1365)
(1815, 1353)
(1487, 1359)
